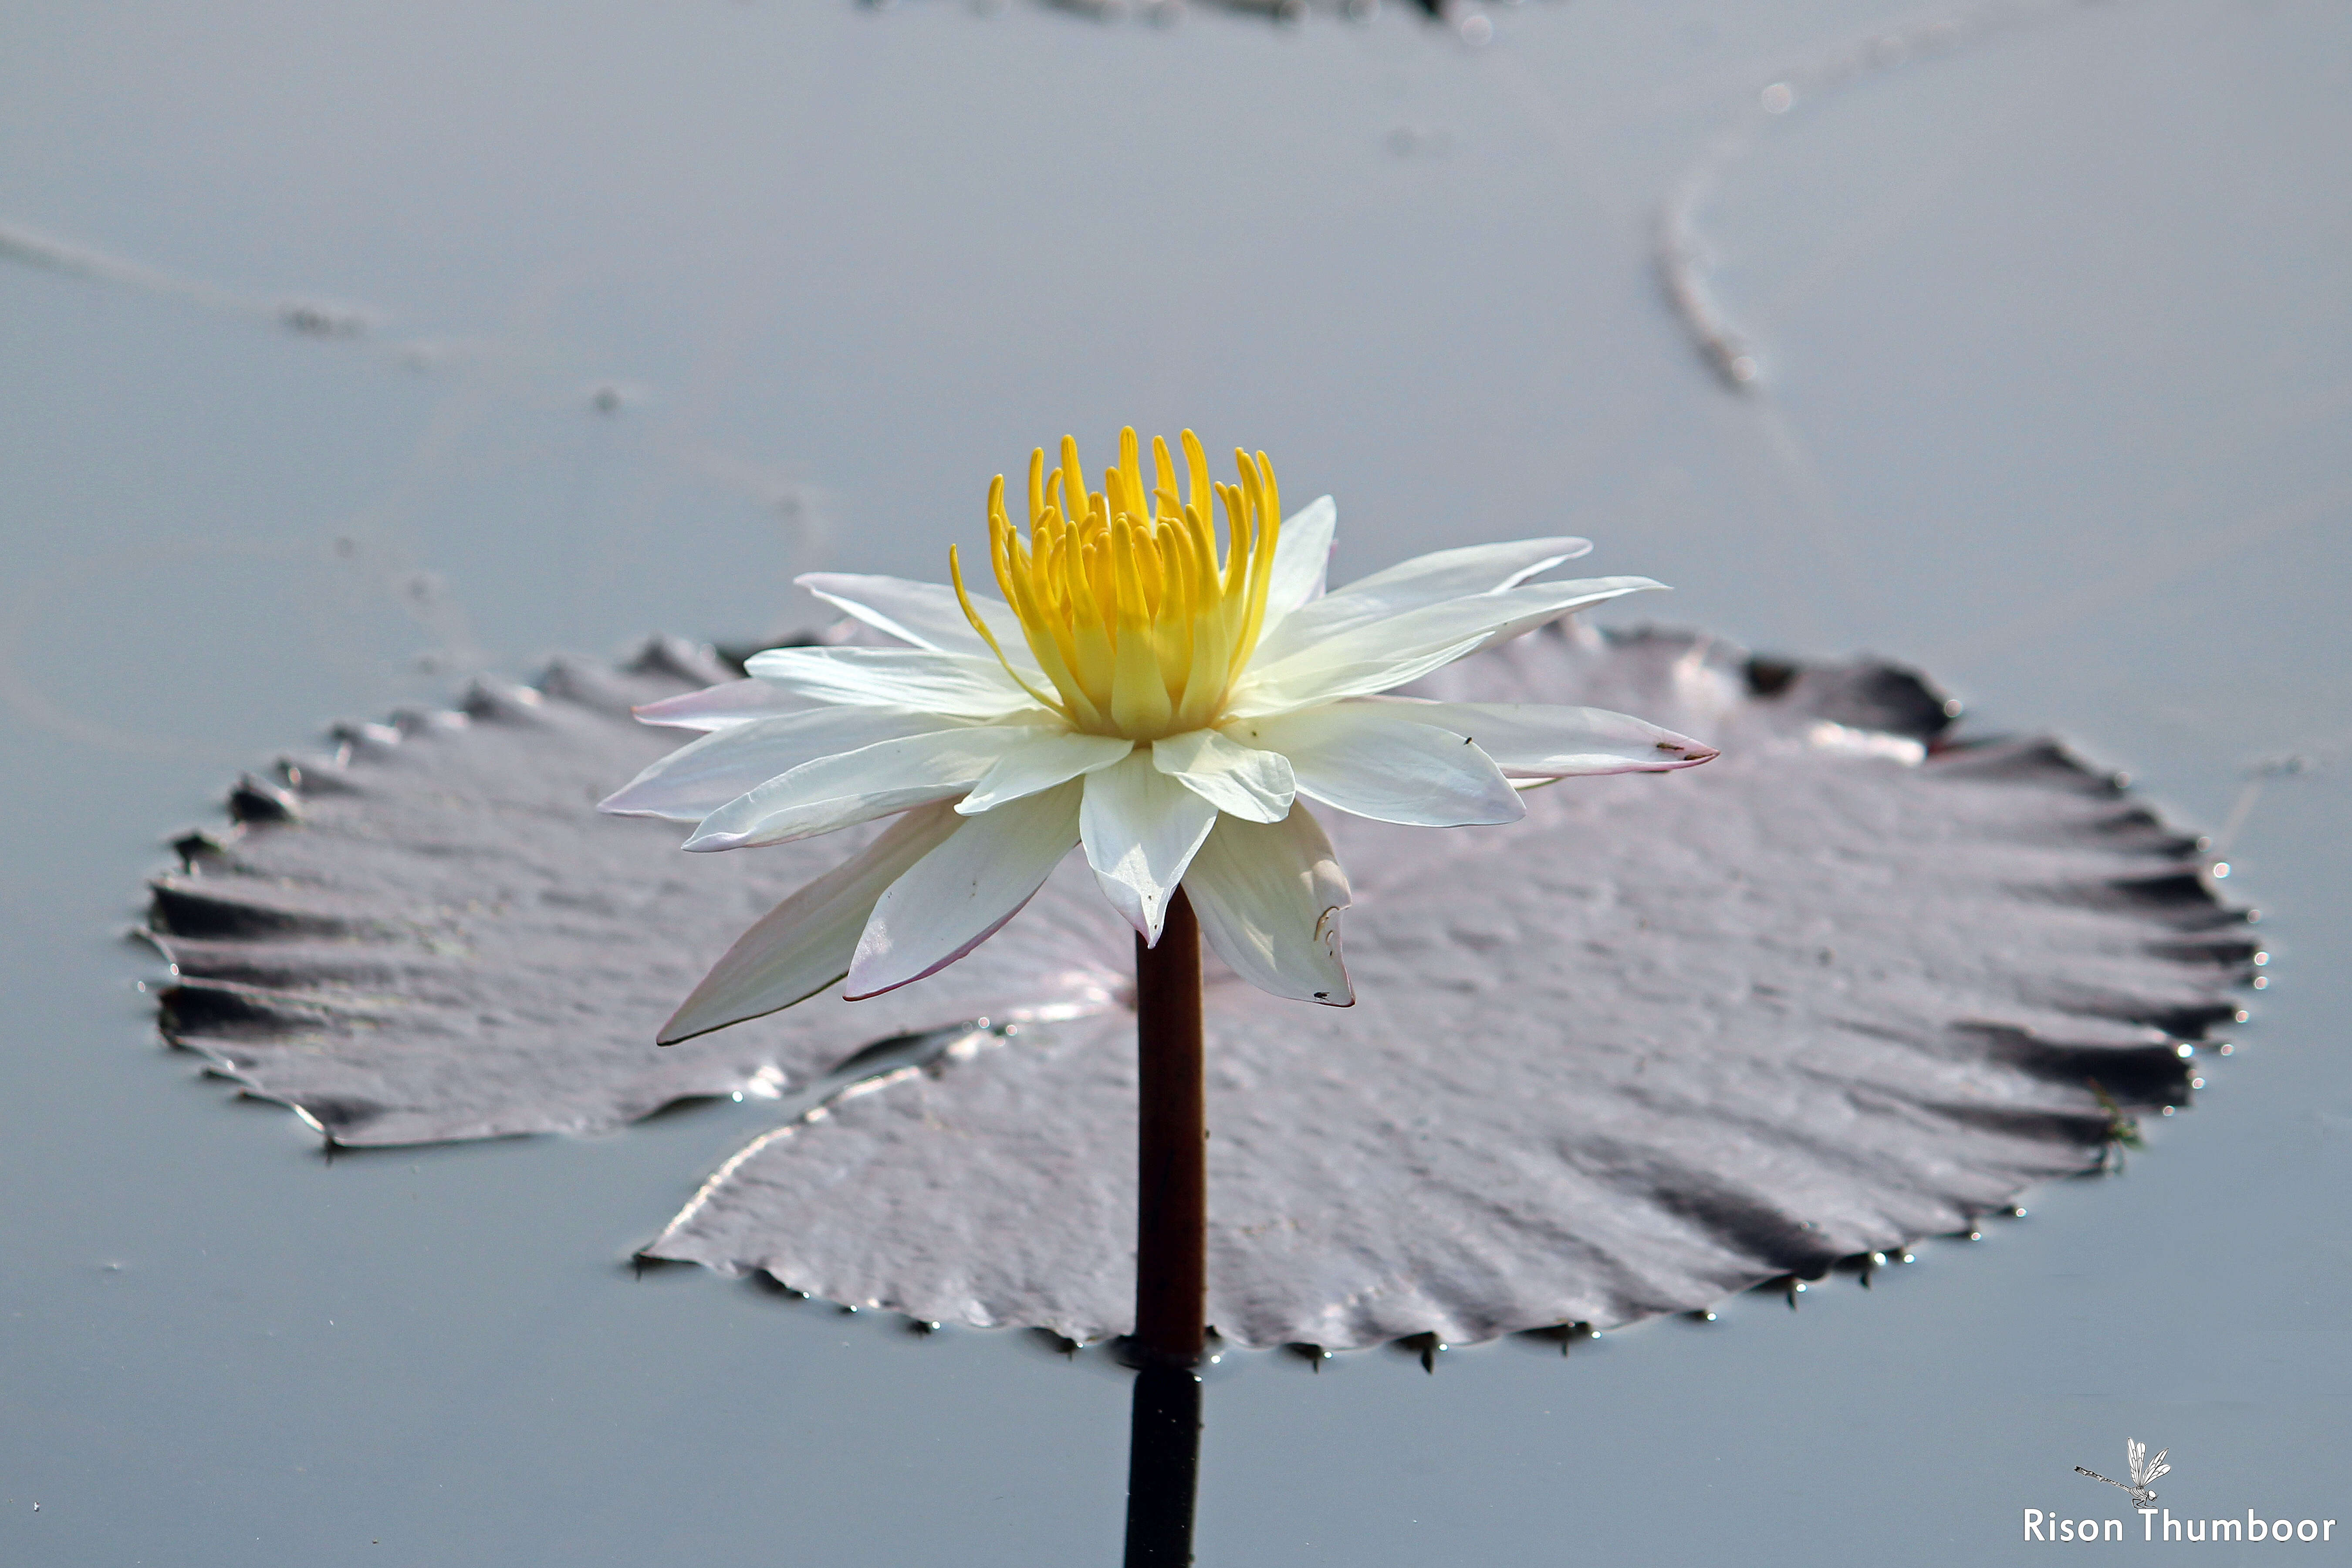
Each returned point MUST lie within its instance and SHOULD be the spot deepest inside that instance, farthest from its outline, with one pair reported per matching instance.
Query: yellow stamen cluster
(1138, 625)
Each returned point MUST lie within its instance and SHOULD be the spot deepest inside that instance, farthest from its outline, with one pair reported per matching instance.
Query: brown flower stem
(1172, 1267)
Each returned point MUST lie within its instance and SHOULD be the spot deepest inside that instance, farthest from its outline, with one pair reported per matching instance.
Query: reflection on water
(1163, 1466)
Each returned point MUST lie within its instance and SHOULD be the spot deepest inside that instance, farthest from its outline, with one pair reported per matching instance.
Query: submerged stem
(1171, 1271)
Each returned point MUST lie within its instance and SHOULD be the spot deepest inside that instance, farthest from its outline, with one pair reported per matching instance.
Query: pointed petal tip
(849, 992)
(617, 804)
(823, 583)
(849, 995)
(684, 1025)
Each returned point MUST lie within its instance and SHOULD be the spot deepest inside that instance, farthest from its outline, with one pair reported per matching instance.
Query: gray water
(662, 304)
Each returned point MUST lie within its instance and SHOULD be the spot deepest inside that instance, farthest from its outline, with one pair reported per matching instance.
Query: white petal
(1529, 739)
(956, 897)
(1424, 580)
(1234, 778)
(1141, 829)
(1353, 756)
(805, 943)
(856, 787)
(1054, 757)
(1471, 569)
(1302, 556)
(717, 706)
(924, 613)
(1269, 896)
(699, 777)
(967, 686)
(1402, 648)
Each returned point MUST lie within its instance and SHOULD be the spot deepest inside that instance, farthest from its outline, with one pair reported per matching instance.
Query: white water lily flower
(1167, 705)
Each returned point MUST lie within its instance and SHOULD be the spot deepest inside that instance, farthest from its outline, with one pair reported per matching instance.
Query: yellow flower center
(1139, 625)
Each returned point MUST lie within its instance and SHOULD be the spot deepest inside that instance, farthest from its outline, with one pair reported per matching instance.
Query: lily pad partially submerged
(1666, 1038)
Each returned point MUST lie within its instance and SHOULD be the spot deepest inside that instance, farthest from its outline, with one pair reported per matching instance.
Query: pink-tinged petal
(1424, 580)
(1240, 780)
(873, 781)
(805, 943)
(1268, 896)
(1055, 756)
(1141, 829)
(717, 706)
(1534, 741)
(960, 685)
(1353, 756)
(703, 775)
(956, 897)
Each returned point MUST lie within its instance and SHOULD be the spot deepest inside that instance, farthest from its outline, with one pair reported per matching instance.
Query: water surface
(663, 304)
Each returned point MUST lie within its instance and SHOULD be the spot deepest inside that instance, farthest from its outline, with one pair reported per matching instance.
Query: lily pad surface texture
(1854, 984)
